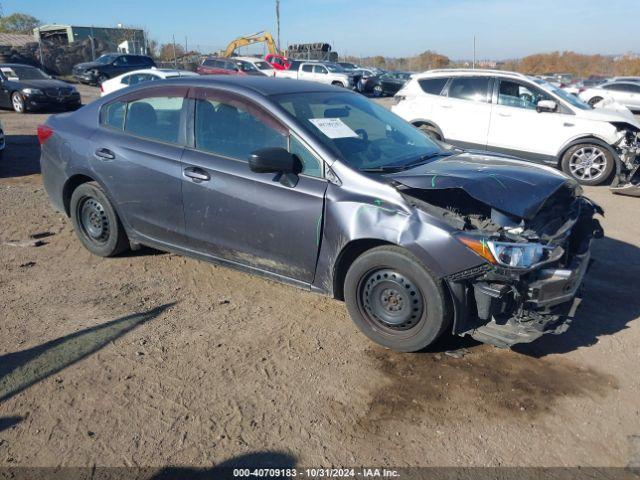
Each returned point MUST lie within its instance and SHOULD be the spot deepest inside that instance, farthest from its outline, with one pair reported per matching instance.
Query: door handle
(445, 106)
(502, 114)
(196, 174)
(105, 154)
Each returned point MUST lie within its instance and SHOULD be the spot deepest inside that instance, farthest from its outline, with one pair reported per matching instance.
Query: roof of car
(470, 72)
(258, 84)
(16, 65)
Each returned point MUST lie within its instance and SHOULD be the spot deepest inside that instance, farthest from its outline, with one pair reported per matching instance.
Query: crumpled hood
(511, 186)
(610, 112)
(87, 65)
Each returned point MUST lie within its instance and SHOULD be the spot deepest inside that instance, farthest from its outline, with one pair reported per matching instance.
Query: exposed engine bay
(537, 252)
(627, 178)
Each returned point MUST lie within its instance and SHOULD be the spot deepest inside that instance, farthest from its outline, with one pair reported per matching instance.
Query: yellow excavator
(260, 37)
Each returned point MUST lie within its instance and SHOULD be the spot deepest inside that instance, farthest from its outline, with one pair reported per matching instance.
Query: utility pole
(278, 23)
(186, 44)
(474, 52)
(93, 47)
(175, 59)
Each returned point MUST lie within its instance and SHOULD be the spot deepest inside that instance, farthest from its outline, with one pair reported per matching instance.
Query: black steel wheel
(394, 300)
(96, 222)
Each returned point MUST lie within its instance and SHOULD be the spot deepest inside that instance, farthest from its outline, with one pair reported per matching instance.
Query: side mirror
(276, 160)
(546, 106)
(272, 160)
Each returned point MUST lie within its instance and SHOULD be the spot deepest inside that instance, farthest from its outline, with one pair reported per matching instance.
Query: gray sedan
(319, 187)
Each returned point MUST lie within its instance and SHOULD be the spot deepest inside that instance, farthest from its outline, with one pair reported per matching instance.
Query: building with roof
(120, 39)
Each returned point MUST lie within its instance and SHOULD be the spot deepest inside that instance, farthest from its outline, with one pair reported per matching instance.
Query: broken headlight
(520, 255)
(509, 254)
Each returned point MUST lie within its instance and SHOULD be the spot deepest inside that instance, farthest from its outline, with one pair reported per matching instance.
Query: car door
(137, 156)
(518, 128)
(306, 72)
(321, 74)
(244, 217)
(625, 93)
(464, 116)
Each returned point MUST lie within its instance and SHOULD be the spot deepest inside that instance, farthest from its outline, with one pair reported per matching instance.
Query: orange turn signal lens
(479, 246)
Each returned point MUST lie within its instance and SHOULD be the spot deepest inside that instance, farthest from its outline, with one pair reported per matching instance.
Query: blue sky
(504, 28)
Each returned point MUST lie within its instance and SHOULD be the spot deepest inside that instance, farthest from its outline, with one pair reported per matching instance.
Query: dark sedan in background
(388, 83)
(25, 88)
(295, 181)
(110, 65)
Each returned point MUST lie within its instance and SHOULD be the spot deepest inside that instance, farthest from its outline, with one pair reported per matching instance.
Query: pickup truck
(329, 73)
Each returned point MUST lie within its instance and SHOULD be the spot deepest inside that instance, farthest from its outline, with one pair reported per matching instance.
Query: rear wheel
(588, 163)
(594, 100)
(96, 222)
(17, 101)
(102, 78)
(337, 84)
(394, 300)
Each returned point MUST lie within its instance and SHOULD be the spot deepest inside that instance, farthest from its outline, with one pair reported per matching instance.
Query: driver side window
(518, 95)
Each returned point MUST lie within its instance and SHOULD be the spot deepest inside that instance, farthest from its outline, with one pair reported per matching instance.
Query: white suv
(525, 117)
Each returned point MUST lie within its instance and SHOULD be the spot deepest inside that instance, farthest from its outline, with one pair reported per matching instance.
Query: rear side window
(307, 68)
(112, 115)
(156, 118)
(228, 129)
(433, 86)
(475, 89)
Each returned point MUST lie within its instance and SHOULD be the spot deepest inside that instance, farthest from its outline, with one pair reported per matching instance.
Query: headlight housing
(32, 91)
(510, 254)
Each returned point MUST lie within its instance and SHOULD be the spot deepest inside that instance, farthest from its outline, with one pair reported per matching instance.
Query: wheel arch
(347, 256)
(586, 139)
(70, 185)
(420, 122)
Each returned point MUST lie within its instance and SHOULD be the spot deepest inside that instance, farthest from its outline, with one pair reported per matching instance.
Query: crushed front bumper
(547, 306)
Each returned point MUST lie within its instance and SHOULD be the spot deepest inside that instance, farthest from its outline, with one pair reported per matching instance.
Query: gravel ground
(152, 359)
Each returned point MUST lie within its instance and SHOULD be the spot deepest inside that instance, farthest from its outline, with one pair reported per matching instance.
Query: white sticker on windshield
(333, 127)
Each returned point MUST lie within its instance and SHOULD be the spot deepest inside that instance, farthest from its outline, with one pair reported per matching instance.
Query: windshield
(246, 66)
(263, 66)
(104, 59)
(333, 67)
(363, 134)
(24, 73)
(566, 96)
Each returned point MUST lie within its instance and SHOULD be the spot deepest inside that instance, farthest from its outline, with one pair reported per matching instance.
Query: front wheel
(394, 300)
(588, 163)
(101, 79)
(17, 101)
(96, 222)
(377, 91)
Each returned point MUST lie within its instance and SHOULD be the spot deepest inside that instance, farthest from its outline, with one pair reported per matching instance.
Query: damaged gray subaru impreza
(318, 187)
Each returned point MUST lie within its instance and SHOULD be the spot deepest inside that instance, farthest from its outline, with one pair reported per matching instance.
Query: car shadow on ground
(20, 370)
(272, 464)
(8, 422)
(21, 156)
(610, 300)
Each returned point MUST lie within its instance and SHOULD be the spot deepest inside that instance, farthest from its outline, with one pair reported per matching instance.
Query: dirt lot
(152, 359)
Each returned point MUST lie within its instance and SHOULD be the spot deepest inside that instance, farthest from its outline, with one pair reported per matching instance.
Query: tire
(101, 78)
(594, 100)
(588, 163)
(95, 221)
(394, 300)
(431, 132)
(17, 102)
(377, 91)
(337, 84)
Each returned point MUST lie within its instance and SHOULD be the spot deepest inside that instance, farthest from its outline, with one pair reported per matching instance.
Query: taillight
(581, 89)
(44, 133)
(101, 89)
